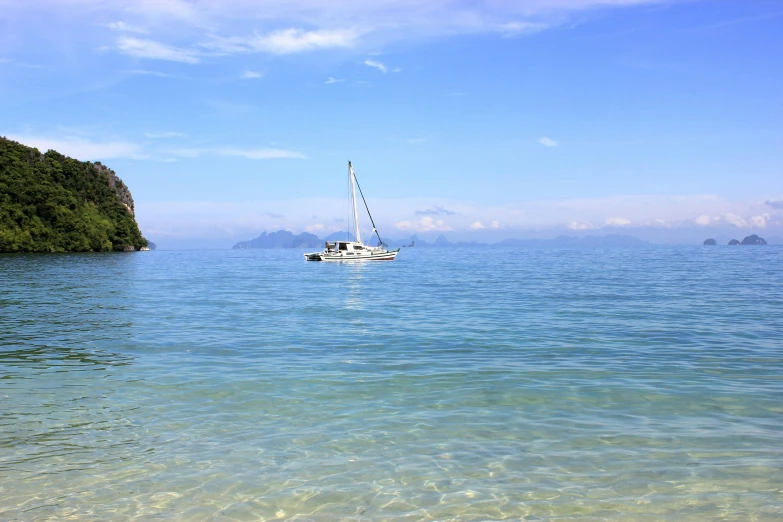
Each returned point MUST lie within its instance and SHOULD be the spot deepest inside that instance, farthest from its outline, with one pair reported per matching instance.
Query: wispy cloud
(88, 149)
(775, 204)
(158, 135)
(377, 65)
(21, 64)
(510, 29)
(477, 225)
(226, 27)
(261, 154)
(548, 142)
(143, 72)
(251, 75)
(155, 50)
(437, 210)
(123, 27)
(333, 80)
(248, 153)
(283, 41)
(82, 148)
(735, 21)
(416, 141)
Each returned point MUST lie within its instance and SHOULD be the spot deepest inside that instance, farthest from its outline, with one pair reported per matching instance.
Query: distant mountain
(336, 236)
(710, 242)
(286, 239)
(281, 239)
(611, 240)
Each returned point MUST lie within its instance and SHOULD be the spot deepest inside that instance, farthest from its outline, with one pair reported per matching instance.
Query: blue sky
(480, 120)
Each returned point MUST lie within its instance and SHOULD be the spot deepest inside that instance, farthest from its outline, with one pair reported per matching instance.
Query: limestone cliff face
(122, 190)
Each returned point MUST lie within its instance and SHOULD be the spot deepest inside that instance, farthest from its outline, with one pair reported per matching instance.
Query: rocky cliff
(122, 191)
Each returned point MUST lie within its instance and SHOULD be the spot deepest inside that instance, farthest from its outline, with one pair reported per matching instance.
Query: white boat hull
(353, 257)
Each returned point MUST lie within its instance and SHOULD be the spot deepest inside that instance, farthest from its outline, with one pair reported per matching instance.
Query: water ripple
(533, 384)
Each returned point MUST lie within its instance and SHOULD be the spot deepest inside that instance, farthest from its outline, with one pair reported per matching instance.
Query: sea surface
(460, 384)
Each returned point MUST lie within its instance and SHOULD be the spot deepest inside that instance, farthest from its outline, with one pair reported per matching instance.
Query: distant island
(286, 239)
(281, 239)
(53, 203)
(710, 242)
(752, 239)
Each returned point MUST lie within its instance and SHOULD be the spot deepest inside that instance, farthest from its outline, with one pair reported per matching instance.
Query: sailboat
(354, 250)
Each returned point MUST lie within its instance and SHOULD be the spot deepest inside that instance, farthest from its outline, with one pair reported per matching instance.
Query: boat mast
(357, 234)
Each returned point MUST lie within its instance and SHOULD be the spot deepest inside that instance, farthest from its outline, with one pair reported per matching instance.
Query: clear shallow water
(628, 384)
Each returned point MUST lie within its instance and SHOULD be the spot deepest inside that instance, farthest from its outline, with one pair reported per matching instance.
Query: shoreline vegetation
(53, 203)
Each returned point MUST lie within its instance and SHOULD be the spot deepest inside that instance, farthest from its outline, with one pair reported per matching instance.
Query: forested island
(52, 203)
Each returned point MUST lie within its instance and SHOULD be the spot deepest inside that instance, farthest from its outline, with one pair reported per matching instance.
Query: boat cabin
(345, 247)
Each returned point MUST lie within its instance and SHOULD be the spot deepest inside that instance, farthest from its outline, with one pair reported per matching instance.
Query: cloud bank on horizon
(473, 118)
(695, 215)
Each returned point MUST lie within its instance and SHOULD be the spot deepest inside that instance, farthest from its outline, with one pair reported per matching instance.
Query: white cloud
(82, 149)
(155, 50)
(318, 227)
(734, 219)
(378, 65)
(495, 225)
(579, 225)
(666, 217)
(283, 41)
(703, 220)
(261, 154)
(123, 27)
(760, 221)
(617, 222)
(251, 75)
(333, 80)
(477, 225)
(548, 142)
(425, 224)
(5, 60)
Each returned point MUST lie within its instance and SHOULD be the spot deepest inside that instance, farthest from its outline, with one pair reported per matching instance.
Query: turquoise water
(540, 384)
